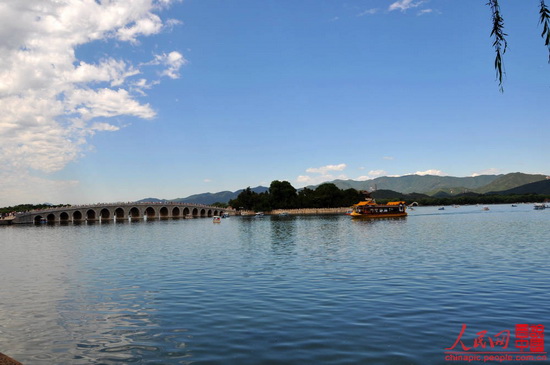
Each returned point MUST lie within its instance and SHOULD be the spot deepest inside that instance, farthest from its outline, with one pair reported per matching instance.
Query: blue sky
(170, 98)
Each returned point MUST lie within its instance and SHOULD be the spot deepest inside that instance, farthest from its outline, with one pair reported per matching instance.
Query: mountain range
(431, 185)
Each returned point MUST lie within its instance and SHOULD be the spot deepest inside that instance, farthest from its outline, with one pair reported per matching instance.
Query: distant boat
(442, 208)
(485, 208)
(217, 219)
(513, 205)
(259, 214)
(283, 214)
(539, 206)
(225, 215)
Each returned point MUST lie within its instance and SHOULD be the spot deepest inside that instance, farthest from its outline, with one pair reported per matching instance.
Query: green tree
(282, 195)
(327, 196)
(262, 202)
(305, 198)
(245, 200)
(220, 205)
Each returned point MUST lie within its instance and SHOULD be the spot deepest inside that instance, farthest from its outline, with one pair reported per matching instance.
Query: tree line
(282, 195)
(28, 207)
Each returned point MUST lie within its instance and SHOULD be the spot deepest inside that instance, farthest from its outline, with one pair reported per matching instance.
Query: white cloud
(368, 12)
(316, 180)
(147, 25)
(431, 172)
(172, 61)
(403, 5)
(377, 173)
(390, 158)
(105, 102)
(111, 71)
(34, 189)
(98, 126)
(325, 169)
(425, 11)
(49, 98)
(372, 174)
(323, 174)
(489, 171)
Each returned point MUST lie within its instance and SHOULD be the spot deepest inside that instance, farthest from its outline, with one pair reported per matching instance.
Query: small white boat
(539, 206)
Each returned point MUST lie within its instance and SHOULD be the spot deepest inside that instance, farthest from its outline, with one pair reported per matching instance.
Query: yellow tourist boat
(369, 209)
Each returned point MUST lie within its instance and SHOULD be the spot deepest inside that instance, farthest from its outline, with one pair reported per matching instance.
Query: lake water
(272, 290)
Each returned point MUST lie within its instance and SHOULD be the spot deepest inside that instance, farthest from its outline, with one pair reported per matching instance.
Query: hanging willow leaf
(500, 42)
(545, 21)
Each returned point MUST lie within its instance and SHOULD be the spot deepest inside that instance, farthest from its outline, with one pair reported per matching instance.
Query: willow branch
(545, 21)
(499, 42)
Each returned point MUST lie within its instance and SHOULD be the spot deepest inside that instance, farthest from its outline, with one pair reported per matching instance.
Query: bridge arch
(186, 212)
(38, 219)
(203, 212)
(163, 212)
(77, 215)
(119, 213)
(63, 217)
(50, 218)
(134, 212)
(150, 212)
(105, 213)
(91, 215)
(175, 212)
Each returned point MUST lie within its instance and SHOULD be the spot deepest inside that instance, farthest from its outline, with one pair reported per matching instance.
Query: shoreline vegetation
(282, 197)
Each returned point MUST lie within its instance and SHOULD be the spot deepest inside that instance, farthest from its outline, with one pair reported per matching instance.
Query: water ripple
(296, 290)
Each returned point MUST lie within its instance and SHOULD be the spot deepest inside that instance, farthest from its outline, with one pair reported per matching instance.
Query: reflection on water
(306, 289)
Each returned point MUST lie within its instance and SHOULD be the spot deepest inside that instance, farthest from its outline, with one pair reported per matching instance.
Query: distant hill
(390, 194)
(440, 185)
(151, 200)
(539, 187)
(207, 198)
(424, 184)
(409, 187)
(510, 181)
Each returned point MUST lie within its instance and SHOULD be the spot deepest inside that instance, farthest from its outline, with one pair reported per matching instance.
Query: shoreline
(302, 211)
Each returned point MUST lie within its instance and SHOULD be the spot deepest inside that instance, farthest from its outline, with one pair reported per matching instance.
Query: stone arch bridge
(119, 211)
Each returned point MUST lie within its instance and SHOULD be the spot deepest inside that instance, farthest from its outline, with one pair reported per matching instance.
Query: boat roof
(370, 202)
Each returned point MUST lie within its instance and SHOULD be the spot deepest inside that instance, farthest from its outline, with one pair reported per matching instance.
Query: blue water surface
(272, 290)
